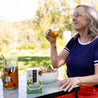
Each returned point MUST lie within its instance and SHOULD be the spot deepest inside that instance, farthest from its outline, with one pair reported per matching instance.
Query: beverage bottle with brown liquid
(9, 74)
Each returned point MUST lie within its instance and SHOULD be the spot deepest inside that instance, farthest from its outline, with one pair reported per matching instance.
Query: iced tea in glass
(54, 33)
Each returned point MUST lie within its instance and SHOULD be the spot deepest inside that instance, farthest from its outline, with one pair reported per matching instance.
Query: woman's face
(80, 21)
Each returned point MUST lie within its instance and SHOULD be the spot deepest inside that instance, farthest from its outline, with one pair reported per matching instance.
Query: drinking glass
(54, 33)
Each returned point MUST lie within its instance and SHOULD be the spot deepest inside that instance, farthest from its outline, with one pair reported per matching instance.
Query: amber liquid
(53, 35)
(10, 77)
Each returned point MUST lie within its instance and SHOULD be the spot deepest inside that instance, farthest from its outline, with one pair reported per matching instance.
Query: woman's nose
(74, 18)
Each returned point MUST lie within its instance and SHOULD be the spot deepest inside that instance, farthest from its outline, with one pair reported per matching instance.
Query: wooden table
(48, 90)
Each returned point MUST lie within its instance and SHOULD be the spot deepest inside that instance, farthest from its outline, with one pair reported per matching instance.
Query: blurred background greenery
(26, 40)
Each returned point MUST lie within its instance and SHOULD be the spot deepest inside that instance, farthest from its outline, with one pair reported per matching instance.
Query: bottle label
(8, 79)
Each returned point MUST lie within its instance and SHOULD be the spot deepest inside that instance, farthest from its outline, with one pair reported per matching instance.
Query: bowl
(49, 77)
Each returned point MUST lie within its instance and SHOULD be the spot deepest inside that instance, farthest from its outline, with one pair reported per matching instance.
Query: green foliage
(28, 46)
(13, 35)
(45, 44)
(61, 42)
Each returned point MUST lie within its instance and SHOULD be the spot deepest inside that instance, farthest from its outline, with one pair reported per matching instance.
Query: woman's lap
(85, 92)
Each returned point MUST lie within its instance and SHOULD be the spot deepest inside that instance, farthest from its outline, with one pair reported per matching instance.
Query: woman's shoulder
(96, 39)
(71, 41)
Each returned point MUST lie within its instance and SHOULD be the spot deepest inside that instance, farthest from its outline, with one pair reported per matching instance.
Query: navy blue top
(82, 57)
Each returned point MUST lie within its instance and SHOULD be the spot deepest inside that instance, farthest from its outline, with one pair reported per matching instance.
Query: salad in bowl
(49, 75)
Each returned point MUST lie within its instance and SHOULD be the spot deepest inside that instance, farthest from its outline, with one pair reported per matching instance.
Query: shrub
(28, 46)
(61, 42)
(45, 44)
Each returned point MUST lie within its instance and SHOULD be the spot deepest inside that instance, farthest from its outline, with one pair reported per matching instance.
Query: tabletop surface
(21, 92)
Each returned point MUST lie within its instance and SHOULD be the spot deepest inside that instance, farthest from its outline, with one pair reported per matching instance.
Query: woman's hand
(50, 36)
(69, 83)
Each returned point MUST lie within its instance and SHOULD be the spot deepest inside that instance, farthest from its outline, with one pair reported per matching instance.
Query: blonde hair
(92, 16)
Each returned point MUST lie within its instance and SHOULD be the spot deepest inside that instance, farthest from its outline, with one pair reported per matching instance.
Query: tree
(6, 35)
(49, 13)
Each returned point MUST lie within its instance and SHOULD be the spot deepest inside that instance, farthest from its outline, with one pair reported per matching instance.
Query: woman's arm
(57, 60)
(69, 83)
(90, 80)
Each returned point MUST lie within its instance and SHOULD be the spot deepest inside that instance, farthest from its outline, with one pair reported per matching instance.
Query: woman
(80, 54)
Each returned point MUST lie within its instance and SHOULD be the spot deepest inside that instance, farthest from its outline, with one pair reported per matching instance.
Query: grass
(34, 61)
